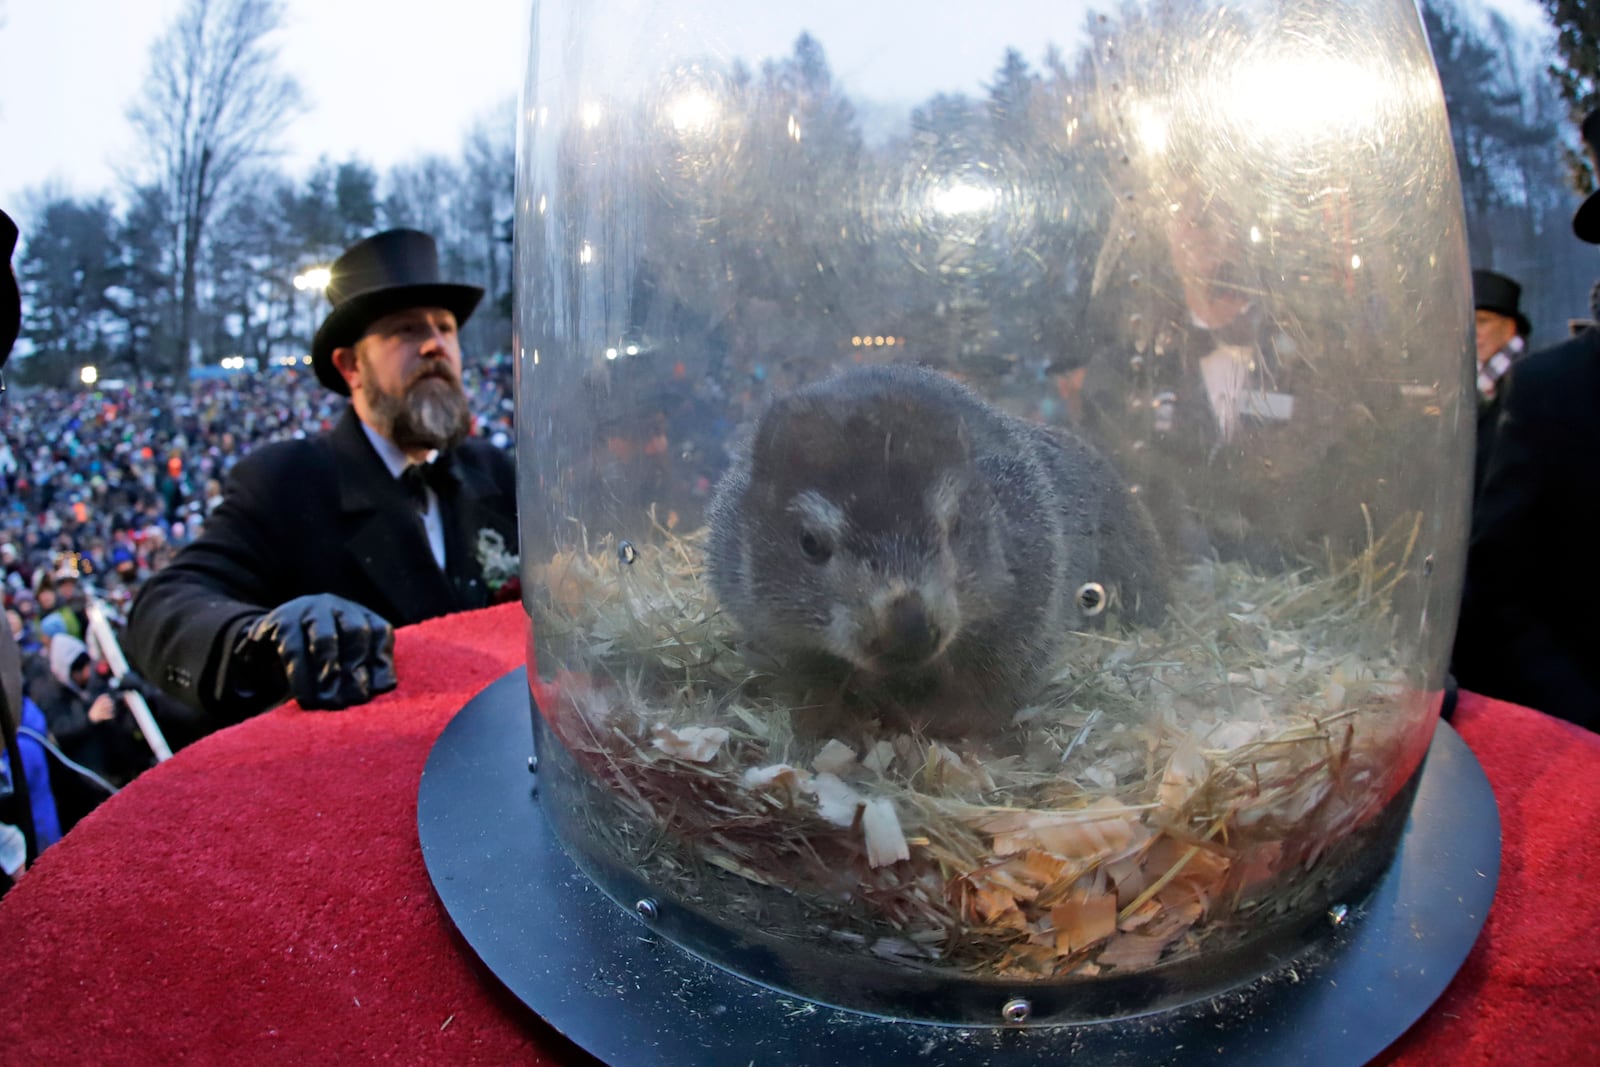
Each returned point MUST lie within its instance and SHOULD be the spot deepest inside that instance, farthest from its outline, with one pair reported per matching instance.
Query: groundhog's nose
(908, 636)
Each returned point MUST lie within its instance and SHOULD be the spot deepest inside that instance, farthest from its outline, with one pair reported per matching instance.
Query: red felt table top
(262, 898)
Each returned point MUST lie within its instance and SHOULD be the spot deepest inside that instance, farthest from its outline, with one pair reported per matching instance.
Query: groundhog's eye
(814, 547)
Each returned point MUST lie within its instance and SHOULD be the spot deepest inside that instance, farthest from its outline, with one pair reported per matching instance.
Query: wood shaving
(1168, 788)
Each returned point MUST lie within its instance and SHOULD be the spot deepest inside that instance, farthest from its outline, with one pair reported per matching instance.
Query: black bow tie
(417, 478)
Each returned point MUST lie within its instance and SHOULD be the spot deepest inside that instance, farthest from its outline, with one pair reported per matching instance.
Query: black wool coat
(319, 515)
(1530, 622)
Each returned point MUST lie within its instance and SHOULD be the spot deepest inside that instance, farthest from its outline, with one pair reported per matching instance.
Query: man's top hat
(10, 299)
(1499, 294)
(1586, 223)
(387, 272)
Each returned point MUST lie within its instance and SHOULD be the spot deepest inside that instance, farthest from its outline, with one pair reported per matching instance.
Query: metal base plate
(598, 975)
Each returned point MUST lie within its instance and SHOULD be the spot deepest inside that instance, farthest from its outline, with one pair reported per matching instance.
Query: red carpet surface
(261, 898)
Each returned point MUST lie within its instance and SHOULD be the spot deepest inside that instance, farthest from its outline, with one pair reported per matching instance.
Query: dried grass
(1168, 786)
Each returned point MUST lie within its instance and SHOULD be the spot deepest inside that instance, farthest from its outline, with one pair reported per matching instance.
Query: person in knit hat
(91, 727)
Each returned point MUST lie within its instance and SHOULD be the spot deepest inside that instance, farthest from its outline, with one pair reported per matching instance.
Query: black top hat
(1499, 294)
(387, 272)
(10, 299)
(1586, 223)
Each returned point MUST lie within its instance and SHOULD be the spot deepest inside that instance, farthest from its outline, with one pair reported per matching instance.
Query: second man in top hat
(321, 546)
(1501, 331)
(1529, 629)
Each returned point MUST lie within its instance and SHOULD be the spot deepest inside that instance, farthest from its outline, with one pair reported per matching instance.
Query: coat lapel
(385, 538)
(467, 515)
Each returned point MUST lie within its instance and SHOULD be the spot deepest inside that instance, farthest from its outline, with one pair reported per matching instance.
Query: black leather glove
(325, 651)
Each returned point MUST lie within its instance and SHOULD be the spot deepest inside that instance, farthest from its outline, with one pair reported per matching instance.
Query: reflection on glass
(1103, 644)
(1293, 97)
(958, 197)
(694, 110)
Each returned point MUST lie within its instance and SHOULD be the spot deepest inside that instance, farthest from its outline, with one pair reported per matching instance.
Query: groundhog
(892, 530)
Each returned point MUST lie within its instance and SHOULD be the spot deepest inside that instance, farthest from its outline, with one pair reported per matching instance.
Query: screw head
(1016, 1010)
(533, 764)
(647, 909)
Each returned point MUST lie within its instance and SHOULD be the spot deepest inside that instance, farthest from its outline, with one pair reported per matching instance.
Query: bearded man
(321, 546)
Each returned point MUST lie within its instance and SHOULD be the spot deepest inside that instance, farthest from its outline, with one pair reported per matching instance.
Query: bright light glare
(1304, 96)
(316, 278)
(692, 110)
(611, 353)
(963, 198)
(589, 115)
(1150, 126)
(89, 375)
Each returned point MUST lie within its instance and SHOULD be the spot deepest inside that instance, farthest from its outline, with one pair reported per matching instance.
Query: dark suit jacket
(1488, 419)
(1530, 623)
(321, 515)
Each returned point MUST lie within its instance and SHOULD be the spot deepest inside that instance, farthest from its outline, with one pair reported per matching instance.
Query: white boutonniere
(502, 570)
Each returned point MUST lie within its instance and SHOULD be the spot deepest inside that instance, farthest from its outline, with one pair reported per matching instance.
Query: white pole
(111, 652)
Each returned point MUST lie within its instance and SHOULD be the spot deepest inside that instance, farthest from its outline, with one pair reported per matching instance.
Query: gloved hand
(330, 652)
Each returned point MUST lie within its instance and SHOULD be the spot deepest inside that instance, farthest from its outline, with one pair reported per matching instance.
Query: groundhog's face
(872, 537)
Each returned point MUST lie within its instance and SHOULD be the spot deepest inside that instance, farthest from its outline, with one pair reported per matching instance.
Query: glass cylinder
(993, 479)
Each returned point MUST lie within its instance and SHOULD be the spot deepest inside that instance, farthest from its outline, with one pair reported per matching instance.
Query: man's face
(1205, 251)
(404, 376)
(1494, 331)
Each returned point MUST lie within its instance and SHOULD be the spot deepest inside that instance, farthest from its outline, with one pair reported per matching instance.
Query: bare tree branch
(213, 102)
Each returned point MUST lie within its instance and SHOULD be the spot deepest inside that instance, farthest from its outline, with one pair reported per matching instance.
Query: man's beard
(432, 412)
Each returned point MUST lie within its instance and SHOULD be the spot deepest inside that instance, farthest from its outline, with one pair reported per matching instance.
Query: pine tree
(1577, 69)
(67, 266)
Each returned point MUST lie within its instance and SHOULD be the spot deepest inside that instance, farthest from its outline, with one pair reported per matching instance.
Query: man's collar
(389, 452)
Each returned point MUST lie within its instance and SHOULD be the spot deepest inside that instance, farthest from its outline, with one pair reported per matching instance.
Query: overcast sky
(386, 79)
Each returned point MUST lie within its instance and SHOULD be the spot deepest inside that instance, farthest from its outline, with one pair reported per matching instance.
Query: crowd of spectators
(99, 488)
